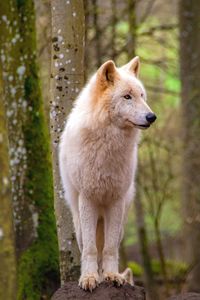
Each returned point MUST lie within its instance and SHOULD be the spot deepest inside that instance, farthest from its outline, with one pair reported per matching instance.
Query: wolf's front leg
(88, 218)
(113, 227)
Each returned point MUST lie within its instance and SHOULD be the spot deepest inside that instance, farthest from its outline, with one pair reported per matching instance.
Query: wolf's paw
(116, 278)
(89, 281)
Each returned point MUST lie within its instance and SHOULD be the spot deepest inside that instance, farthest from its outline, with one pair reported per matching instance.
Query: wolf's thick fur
(98, 160)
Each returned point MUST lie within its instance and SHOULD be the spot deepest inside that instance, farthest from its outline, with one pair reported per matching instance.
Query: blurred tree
(7, 250)
(143, 240)
(189, 14)
(43, 33)
(131, 42)
(114, 25)
(66, 81)
(140, 222)
(30, 168)
(97, 39)
(156, 184)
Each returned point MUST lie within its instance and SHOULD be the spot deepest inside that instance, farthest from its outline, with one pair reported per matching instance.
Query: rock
(106, 291)
(186, 296)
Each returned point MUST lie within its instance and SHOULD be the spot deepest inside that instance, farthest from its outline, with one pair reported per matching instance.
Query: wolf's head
(120, 95)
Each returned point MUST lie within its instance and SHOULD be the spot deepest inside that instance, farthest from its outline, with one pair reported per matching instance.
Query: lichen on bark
(7, 251)
(67, 77)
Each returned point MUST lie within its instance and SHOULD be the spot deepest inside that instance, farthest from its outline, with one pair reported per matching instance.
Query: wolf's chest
(105, 172)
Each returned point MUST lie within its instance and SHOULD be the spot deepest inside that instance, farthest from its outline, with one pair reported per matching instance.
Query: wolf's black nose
(151, 117)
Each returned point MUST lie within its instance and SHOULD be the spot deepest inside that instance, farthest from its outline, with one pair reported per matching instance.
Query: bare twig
(147, 11)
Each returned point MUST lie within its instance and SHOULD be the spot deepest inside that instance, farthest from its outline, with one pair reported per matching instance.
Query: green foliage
(136, 269)
(122, 28)
(175, 269)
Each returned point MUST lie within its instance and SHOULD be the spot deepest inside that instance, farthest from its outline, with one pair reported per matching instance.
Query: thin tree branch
(161, 90)
(147, 11)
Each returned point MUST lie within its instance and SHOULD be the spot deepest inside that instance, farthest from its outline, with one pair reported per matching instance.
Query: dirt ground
(106, 291)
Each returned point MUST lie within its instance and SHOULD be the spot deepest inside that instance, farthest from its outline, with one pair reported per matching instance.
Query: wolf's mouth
(140, 126)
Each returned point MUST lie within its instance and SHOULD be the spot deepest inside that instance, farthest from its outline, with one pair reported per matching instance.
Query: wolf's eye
(127, 96)
(142, 95)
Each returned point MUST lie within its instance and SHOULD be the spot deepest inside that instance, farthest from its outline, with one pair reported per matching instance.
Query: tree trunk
(43, 34)
(98, 50)
(7, 250)
(67, 77)
(30, 168)
(113, 24)
(141, 228)
(142, 236)
(189, 15)
(131, 42)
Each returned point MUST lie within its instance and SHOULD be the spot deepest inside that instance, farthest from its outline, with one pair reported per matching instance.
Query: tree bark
(30, 168)
(189, 14)
(43, 33)
(67, 78)
(7, 250)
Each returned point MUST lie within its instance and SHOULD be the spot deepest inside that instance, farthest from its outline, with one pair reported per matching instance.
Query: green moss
(38, 267)
(38, 264)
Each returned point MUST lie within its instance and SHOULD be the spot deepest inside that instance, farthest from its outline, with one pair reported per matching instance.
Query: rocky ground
(106, 291)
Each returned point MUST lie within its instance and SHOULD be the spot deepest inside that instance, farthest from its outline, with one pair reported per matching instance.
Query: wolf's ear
(133, 66)
(107, 72)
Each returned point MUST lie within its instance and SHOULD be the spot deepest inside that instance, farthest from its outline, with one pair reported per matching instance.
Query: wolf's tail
(128, 276)
(100, 242)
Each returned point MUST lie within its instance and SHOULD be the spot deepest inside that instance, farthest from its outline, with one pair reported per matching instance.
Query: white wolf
(98, 160)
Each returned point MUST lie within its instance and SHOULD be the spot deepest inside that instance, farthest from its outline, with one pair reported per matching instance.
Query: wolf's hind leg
(100, 245)
(71, 197)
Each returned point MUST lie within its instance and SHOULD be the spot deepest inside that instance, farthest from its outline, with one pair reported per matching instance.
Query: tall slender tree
(189, 14)
(7, 250)
(67, 77)
(30, 168)
(140, 222)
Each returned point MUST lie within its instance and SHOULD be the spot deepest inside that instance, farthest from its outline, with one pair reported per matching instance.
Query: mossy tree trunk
(7, 250)
(189, 15)
(67, 77)
(30, 168)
